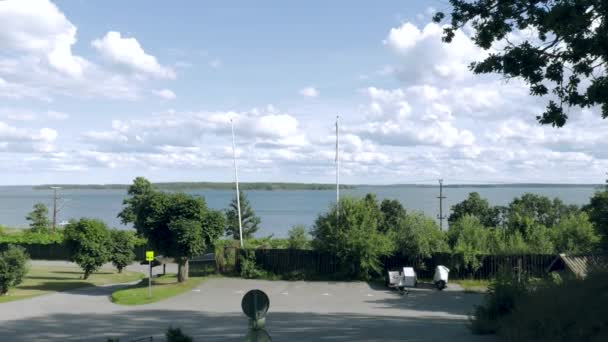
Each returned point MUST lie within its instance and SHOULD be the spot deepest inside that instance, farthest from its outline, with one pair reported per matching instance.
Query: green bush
(26, 236)
(88, 241)
(570, 310)
(500, 300)
(353, 236)
(176, 335)
(298, 238)
(123, 243)
(249, 269)
(13, 267)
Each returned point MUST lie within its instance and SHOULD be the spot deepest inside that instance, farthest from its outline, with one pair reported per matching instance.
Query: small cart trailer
(440, 279)
(403, 279)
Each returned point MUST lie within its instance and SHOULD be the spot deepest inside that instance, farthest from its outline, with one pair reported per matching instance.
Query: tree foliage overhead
(249, 221)
(176, 224)
(564, 50)
(39, 218)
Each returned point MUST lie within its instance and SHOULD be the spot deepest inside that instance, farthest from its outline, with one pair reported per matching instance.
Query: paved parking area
(299, 311)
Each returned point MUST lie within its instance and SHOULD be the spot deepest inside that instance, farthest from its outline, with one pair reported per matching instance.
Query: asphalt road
(299, 311)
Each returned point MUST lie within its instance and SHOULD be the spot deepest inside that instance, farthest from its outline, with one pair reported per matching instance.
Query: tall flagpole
(337, 164)
(236, 180)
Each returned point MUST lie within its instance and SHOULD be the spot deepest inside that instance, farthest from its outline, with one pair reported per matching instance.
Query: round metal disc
(255, 304)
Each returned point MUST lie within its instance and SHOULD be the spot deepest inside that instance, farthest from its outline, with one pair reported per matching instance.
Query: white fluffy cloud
(39, 28)
(309, 92)
(37, 59)
(166, 94)
(21, 140)
(128, 52)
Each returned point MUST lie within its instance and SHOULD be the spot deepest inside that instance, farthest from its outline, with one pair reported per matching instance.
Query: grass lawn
(162, 288)
(46, 279)
(473, 285)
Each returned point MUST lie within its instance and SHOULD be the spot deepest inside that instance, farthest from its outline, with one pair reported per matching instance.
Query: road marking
(284, 293)
(326, 294)
(370, 295)
(239, 291)
(196, 290)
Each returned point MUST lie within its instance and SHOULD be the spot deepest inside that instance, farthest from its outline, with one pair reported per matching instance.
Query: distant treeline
(506, 185)
(202, 185)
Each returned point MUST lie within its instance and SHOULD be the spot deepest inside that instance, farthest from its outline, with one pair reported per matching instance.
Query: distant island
(181, 186)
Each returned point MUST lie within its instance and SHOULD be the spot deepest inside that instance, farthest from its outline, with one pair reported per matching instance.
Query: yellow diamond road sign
(149, 255)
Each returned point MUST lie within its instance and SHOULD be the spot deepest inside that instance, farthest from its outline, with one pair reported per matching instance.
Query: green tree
(89, 242)
(353, 237)
(469, 239)
(392, 212)
(123, 243)
(575, 235)
(597, 209)
(298, 238)
(539, 240)
(176, 224)
(249, 221)
(562, 53)
(13, 267)
(475, 205)
(39, 218)
(531, 210)
(137, 200)
(419, 235)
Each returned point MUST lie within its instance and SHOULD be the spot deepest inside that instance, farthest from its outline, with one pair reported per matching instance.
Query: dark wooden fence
(57, 251)
(285, 261)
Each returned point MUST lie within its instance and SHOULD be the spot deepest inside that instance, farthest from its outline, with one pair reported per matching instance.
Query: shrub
(39, 218)
(13, 267)
(31, 237)
(87, 241)
(123, 243)
(176, 335)
(575, 235)
(502, 294)
(298, 238)
(419, 235)
(570, 310)
(353, 236)
(249, 269)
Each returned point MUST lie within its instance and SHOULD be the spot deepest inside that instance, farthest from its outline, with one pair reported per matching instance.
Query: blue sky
(101, 92)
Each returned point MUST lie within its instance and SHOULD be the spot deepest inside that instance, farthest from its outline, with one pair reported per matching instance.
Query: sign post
(149, 259)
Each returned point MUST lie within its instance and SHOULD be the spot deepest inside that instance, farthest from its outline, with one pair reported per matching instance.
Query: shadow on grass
(282, 326)
(78, 272)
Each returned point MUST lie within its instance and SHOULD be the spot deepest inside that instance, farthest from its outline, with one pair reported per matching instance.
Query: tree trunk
(119, 269)
(86, 275)
(182, 269)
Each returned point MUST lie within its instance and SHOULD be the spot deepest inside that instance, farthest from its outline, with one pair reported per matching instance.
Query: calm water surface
(279, 210)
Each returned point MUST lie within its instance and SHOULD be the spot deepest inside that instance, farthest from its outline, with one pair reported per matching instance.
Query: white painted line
(239, 291)
(196, 290)
(284, 293)
(370, 295)
(326, 294)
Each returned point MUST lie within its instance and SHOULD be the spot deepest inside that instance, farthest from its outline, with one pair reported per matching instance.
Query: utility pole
(236, 182)
(441, 217)
(55, 209)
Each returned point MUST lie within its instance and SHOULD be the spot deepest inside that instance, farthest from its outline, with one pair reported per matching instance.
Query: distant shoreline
(301, 186)
(200, 185)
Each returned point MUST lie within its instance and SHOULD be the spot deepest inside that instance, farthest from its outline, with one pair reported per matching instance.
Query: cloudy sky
(101, 92)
